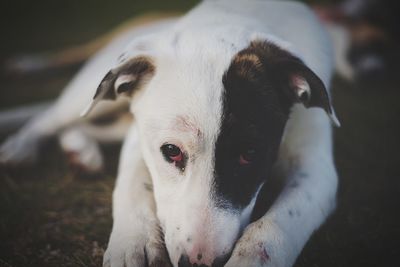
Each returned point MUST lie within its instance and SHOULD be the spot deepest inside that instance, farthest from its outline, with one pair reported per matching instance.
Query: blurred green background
(29, 26)
(50, 25)
(51, 216)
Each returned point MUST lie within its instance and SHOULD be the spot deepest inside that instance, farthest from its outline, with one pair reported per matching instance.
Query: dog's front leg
(136, 238)
(279, 236)
(308, 197)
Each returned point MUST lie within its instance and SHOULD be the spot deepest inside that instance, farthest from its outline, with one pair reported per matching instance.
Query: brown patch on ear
(247, 66)
(123, 80)
(249, 58)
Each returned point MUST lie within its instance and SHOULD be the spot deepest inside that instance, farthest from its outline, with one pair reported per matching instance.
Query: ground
(52, 216)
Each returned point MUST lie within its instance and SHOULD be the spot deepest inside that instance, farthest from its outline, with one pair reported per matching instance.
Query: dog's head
(210, 127)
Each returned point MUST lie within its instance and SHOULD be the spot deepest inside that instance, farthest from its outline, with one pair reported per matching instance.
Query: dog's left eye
(173, 154)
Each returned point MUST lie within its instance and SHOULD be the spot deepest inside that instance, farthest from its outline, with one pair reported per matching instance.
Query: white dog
(221, 97)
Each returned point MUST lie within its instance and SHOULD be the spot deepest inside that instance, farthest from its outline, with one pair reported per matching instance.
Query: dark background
(50, 216)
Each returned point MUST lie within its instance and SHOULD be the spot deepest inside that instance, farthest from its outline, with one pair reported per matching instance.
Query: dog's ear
(299, 83)
(305, 87)
(123, 80)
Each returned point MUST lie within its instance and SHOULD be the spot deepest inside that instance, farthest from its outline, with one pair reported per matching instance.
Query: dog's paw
(83, 153)
(21, 148)
(132, 248)
(263, 244)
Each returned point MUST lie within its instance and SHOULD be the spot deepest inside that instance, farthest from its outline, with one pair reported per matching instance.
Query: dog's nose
(184, 261)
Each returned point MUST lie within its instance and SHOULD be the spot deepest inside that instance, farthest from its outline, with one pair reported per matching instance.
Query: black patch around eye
(254, 116)
(238, 171)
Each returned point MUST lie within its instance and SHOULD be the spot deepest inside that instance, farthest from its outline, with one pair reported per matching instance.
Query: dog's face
(210, 129)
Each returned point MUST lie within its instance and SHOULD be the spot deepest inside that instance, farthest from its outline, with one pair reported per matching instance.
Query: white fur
(181, 104)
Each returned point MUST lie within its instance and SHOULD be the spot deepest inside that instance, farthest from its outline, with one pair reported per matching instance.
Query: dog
(222, 98)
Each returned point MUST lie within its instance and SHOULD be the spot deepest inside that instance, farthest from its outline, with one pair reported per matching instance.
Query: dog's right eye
(173, 154)
(247, 157)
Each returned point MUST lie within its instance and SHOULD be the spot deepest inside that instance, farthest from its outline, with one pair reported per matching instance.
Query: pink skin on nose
(200, 245)
(200, 254)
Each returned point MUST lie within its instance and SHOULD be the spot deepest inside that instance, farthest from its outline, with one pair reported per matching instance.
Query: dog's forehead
(188, 90)
(183, 105)
(185, 124)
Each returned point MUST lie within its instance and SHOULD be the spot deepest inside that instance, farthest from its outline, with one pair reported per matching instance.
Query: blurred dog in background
(369, 42)
(366, 33)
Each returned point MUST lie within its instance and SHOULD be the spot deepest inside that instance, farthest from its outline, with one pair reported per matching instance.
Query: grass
(52, 216)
